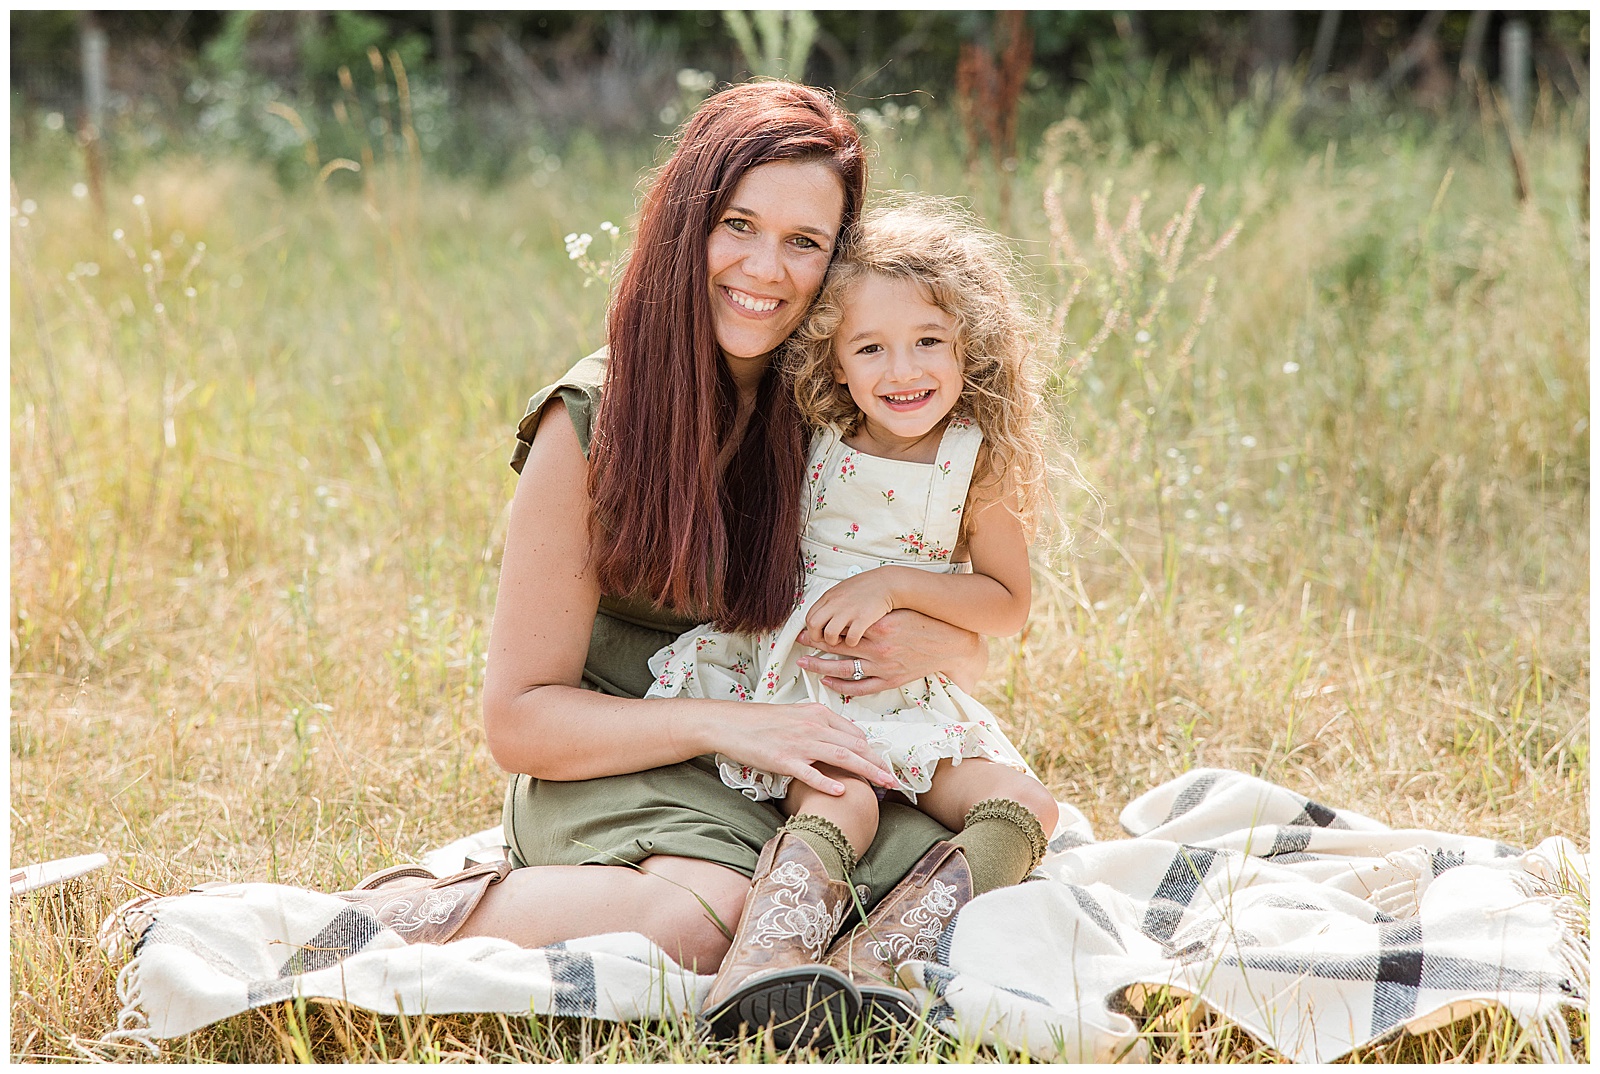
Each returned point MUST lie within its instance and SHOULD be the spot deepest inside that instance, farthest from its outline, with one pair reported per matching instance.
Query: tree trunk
(1471, 70)
(1272, 40)
(1515, 45)
(94, 45)
(1322, 50)
(444, 46)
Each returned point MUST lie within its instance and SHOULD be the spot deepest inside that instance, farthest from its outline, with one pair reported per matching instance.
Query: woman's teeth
(751, 303)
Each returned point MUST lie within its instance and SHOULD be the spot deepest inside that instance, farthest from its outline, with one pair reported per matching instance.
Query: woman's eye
(737, 223)
(805, 243)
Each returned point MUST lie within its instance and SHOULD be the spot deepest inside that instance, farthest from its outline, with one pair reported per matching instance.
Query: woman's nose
(763, 262)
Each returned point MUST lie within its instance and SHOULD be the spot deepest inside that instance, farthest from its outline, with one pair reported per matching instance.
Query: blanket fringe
(132, 1023)
(1550, 1039)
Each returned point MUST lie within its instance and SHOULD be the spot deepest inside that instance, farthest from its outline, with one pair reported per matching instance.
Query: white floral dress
(864, 512)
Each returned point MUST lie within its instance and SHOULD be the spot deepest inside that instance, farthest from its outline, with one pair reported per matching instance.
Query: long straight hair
(669, 524)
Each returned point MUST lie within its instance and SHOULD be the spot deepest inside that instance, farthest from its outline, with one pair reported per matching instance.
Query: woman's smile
(750, 303)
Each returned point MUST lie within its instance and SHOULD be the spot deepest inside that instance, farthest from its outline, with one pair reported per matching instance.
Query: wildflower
(79, 190)
(1291, 367)
(577, 245)
(1247, 441)
(138, 199)
(610, 229)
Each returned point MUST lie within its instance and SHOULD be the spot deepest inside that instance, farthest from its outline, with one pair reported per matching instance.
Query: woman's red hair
(669, 524)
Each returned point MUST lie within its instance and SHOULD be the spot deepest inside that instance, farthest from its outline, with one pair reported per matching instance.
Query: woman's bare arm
(537, 719)
(901, 647)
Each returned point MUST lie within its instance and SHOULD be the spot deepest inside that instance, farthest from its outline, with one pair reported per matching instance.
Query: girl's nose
(903, 363)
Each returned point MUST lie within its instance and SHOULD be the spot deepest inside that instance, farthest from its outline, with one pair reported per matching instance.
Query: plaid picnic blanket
(1315, 929)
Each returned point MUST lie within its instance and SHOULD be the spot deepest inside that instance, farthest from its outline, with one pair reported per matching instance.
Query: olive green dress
(684, 809)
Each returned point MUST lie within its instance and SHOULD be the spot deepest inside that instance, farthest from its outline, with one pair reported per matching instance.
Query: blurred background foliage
(499, 94)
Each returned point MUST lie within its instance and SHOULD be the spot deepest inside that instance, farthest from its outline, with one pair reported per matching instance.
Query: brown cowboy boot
(906, 925)
(421, 907)
(772, 974)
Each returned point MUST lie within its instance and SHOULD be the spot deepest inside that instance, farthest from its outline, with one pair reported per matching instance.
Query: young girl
(916, 366)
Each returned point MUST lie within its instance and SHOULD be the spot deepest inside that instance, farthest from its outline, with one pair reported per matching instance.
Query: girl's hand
(791, 740)
(901, 647)
(845, 612)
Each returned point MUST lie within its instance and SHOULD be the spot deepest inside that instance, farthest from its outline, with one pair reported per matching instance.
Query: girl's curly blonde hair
(969, 273)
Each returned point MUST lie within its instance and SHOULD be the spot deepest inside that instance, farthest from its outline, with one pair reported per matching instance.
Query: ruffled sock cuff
(820, 830)
(1008, 809)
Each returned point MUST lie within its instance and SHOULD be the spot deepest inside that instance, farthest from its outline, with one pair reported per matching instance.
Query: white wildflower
(578, 245)
(79, 190)
(1291, 367)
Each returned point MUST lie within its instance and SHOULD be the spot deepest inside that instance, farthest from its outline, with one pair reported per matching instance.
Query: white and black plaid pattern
(1316, 929)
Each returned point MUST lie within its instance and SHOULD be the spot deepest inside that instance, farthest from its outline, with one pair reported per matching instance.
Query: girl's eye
(929, 341)
(870, 348)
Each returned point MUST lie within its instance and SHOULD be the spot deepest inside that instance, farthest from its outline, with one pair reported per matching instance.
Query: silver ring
(857, 675)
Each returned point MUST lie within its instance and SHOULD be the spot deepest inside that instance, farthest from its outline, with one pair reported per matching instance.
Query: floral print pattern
(865, 512)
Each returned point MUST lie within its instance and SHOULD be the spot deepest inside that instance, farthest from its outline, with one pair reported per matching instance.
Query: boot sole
(809, 1004)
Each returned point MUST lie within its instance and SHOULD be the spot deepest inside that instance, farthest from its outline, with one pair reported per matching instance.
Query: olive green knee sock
(829, 842)
(1003, 842)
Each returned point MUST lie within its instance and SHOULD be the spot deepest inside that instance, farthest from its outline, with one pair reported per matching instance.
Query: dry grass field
(259, 489)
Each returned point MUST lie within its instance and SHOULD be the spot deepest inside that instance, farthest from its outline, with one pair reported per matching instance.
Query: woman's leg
(661, 899)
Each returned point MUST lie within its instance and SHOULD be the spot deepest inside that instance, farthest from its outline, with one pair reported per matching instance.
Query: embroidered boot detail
(907, 925)
(419, 906)
(772, 974)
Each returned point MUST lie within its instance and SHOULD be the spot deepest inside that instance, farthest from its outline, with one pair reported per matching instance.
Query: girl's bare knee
(1041, 803)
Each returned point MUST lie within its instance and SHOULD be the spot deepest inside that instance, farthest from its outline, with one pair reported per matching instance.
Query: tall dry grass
(259, 490)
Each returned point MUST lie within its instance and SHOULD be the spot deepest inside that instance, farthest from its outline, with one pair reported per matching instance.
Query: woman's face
(768, 252)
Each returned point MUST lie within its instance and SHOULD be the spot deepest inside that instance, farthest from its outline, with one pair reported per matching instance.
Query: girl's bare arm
(993, 600)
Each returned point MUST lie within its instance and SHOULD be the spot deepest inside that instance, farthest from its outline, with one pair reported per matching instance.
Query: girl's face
(768, 252)
(896, 352)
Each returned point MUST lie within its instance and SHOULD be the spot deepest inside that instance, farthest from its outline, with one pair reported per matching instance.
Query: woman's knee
(694, 909)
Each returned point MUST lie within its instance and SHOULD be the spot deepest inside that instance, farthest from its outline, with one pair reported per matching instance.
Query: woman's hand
(791, 740)
(899, 648)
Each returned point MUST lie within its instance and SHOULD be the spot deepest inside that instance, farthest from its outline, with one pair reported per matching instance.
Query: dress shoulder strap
(952, 476)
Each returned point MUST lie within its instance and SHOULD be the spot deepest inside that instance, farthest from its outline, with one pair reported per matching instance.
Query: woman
(676, 501)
